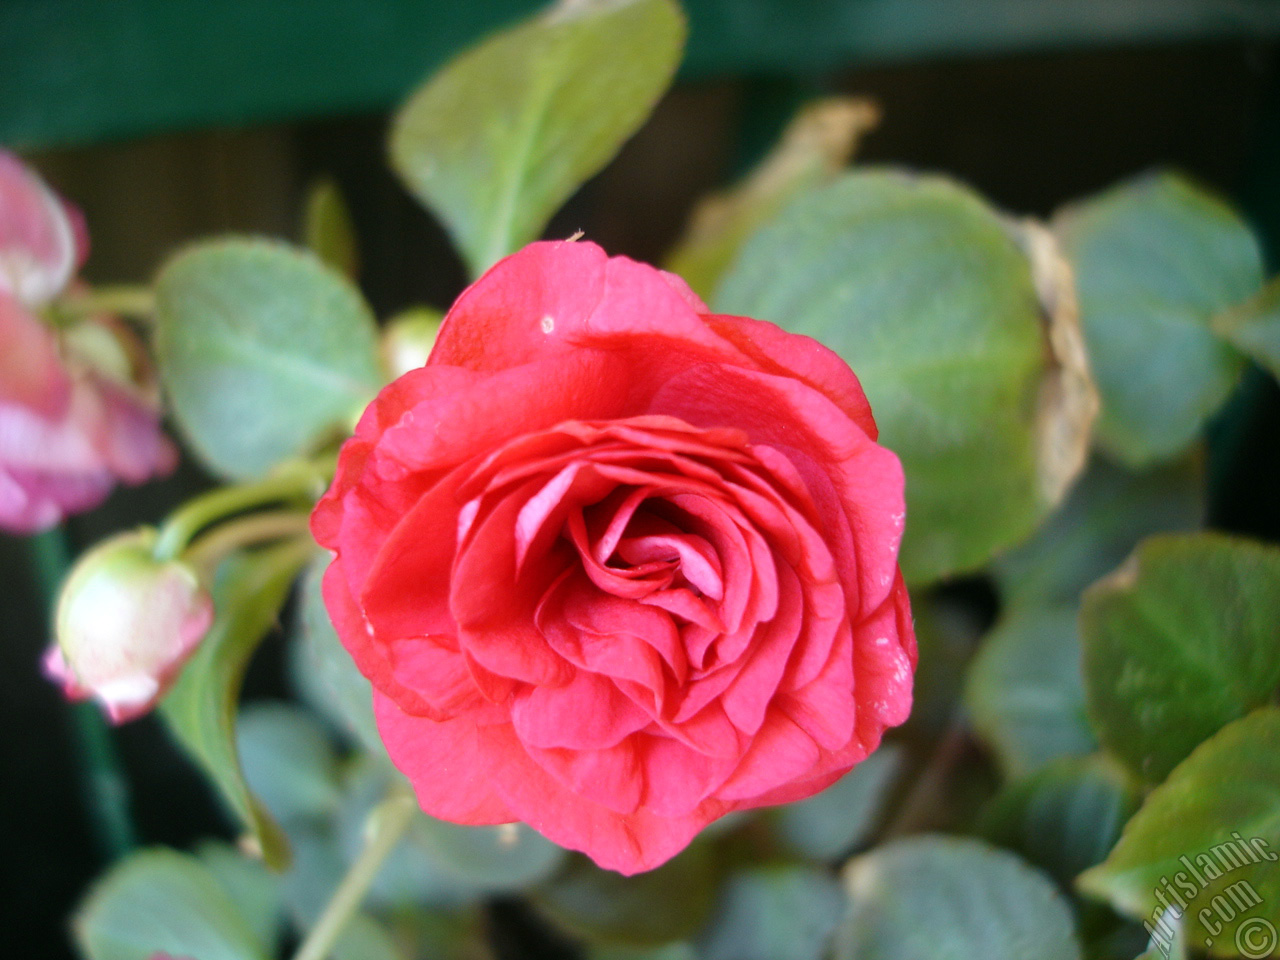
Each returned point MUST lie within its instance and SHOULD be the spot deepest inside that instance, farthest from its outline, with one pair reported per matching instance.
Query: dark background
(1029, 130)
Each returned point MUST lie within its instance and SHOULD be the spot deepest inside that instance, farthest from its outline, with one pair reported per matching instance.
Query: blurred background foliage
(168, 121)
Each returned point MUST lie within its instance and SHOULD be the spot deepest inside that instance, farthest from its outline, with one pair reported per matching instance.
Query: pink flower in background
(79, 412)
(43, 241)
(616, 566)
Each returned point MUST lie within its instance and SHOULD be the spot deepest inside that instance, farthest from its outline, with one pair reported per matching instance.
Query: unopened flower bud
(407, 339)
(126, 622)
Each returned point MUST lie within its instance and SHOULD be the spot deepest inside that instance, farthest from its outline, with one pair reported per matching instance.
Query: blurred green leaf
(1254, 326)
(263, 350)
(288, 761)
(322, 671)
(251, 887)
(817, 142)
(1104, 517)
(159, 901)
(940, 898)
(670, 951)
(1066, 817)
(839, 818)
(1025, 690)
(365, 938)
(327, 230)
(1178, 642)
(317, 869)
(1195, 837)
(930, 296)
(443, 863)
(774, 913)
(500, 137)
(200, 710)
(408, 876)
(650, 909)
(1168, 940)
(497, 859)
(1155, 258)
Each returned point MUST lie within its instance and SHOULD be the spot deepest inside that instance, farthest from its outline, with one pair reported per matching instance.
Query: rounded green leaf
(1209, 836)
(1025, 690)
(774, 913)
(1065, 818)
(288, 760)
(936, 898)
(1254, 327)
(252, 888)
(837, 819)
(1155, 259)
(817, 142)
(161, 901)
(500, 137)
(1102, 520)
(963, 340)
(1178, 642)
(263, 350)
(663, 905)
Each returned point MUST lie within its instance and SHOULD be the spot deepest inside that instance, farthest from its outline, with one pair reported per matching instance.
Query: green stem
(212, 548)
(128, 300)
(294, 481)
(102, 777)
(386, 825)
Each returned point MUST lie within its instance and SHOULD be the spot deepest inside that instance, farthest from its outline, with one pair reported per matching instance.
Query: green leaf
(1210, 835)
(288, 760)
(669, 951)
(1168, 940)
(200, 710)
(1155, 259)
(937, 898)
(839, 818)
(161, 901)
(500, 137)
(251, 887)
(934, 301)
(322, 671)
(1253, 327)
(365, 938)
(327, 230)
(445, 863)
(818, 141)
(317, 869)
(1179, 642)
(1102, 520)
(408, 876)
(774, 913)
(1025, 691)
(663, 905)
(1065, 818)
(263, 350)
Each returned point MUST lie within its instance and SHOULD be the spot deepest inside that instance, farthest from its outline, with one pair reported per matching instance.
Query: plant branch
(138, 302)
(209, 550)
(295, 481)
(386, 825)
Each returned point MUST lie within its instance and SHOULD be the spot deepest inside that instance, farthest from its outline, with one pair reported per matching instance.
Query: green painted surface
(77, 71)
